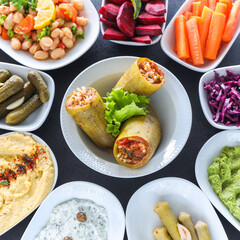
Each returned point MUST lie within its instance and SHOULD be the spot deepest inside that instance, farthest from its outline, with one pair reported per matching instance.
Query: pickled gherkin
(160, 233)
(4, 75)
(202, 231)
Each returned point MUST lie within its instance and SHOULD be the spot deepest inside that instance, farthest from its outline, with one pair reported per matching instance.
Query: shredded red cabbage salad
(224, 98)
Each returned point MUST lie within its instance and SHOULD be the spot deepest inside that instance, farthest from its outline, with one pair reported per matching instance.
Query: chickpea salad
(44, 28)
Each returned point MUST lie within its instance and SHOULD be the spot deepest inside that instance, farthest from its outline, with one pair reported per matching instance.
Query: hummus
(26, 177)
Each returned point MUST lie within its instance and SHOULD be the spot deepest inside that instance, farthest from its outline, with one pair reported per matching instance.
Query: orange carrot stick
(187, 15)
(215, 35)
(206, 16)
(229, 5)
(181, 37)
(232, 22)
(196, 8)
(212, 4)
(221, 8)
(194, 42)
(204, 3)
(199, 23)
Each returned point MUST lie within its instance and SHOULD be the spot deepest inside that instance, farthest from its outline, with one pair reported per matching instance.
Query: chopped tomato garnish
(26, 25)
(68, 11)
(4, 34)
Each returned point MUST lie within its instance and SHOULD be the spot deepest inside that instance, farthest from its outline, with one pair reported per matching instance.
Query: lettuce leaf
(122, 105)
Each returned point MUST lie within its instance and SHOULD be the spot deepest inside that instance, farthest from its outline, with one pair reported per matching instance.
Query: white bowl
(81, 190)
(168, 42)
(206, 78)
(171, 104)
(91, 32)
(181, 195)
(39, 140)
(155, 39)
(206, 155)
(38, 117)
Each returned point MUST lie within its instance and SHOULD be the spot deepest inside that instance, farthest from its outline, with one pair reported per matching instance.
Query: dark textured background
(71, 169)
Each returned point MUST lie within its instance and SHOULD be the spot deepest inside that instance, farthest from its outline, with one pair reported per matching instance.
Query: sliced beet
(145, 1)
(142, 39)
(119, 2)
(149, 19)
(151, 30)
(109, 11)
(109, 23)
(125, 20)
(114, 34)
(155, 7)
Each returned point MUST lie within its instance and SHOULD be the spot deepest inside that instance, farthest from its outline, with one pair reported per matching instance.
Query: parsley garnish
(10, 32)
(2, 19)
(75, 34)
(80, 35)
(69, 13)
(45, 32)
(24, 4)
(4, 2)
(52, 21)
(25, 36)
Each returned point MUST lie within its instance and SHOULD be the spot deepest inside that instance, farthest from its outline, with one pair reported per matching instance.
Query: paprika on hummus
(26, 177)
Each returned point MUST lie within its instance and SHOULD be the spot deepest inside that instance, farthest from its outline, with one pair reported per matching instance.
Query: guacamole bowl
(206, 155)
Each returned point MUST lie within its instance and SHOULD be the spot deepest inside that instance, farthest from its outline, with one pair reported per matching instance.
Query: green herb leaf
(137, 4)
(122, 105)
(4, 182)
(44, 33)
(74, 30)
(69, 13)
(25, 36)
(80, 35)
(2, 19)
(25, 4)
(10, 32)
(4, 2)
(75, 34)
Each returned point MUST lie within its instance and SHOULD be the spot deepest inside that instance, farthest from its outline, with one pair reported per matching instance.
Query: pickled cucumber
(168, 219)
(160, 233)
(21, 113)
(4, 75)
(36, 79)
(186, 220)
(27, 92)
(202, 231)
(13, 85)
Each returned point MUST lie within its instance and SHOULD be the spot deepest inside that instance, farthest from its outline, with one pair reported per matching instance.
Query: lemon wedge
(46, 12)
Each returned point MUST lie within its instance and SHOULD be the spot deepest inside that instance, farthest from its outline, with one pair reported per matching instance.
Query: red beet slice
(155, 7)
(151, 30)
(109, 11)
(118, 2)
(145, 1)
(149, 19)
(142, 39)
(109, 23)
(125, 20)
(114, 34)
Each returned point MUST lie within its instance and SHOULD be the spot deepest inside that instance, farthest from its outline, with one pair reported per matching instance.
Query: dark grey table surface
(71, 169)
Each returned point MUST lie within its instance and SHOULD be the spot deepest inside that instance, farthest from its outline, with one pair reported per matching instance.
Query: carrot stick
(229, 5)
(221, 8)
(194, 42)
(196, 8)
(204, 3)
(215, 35)
(206, 16)
(181, 37)
(199, 23)
(187, 15)
(212, 4)
(232, 22)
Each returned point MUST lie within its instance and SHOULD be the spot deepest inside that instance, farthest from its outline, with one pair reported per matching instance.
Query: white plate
(171, 103)
(168, 42)
(155, 39)
(91, 32)
(181, 195)
(81, 190)
(39, 140)
(38, 117)
(208, 152)
(206, 78)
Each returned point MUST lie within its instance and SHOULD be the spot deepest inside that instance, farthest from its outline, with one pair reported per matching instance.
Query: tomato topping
(4, 34)
(68, 11)
(61, 45)
(26, 25)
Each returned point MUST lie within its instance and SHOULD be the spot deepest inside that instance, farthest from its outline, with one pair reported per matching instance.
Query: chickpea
(81, 21)
(4, 10)
(9, 21)
(22, 11)
(61, 22)
(67, 32)
(12, 8)
(15, 44)
(41, 55)
(32, 12)
(55, 25)
(70, 24)
(34, 36)
(56, 33)
(45, 49)
(18, 17)
(56, 41)
(78, 4)
(57, 53)
(26, 45)
(34, 48)
(67, 42)
(46, 42)
(74, 39)
(79, 30)
(20, 37)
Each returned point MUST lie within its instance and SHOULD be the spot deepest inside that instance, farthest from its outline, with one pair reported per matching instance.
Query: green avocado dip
(224, 177)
